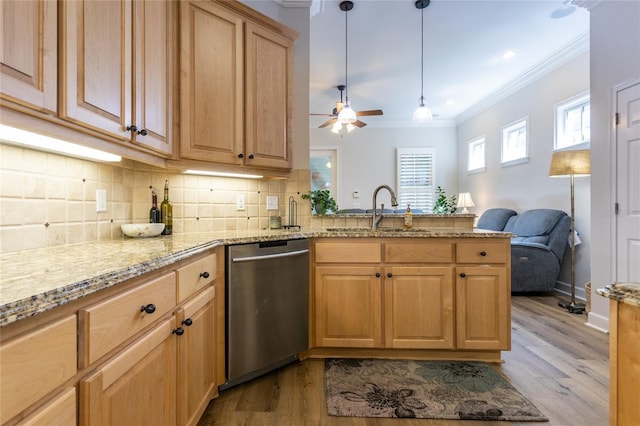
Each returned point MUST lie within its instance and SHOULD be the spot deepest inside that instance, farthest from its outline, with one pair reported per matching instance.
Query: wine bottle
(154, 212)
(166, 211)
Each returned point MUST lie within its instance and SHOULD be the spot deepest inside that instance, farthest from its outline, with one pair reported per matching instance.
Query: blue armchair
(539, 241)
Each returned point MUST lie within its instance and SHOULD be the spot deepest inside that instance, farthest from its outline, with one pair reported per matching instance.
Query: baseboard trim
(565, 289)
(598, 322)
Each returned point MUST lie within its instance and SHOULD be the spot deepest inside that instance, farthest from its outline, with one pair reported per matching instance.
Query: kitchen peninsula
(439, 292)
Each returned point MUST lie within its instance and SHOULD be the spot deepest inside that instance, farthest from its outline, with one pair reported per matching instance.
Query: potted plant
(444, 204)
(321, 201)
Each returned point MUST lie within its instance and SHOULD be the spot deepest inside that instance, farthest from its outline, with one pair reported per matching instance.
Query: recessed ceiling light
(450, 102)
(509, 54)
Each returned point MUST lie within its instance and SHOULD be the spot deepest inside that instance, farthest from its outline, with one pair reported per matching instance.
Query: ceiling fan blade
(339, 106)
(324, 115)
(327, 123)
(359, 123)
(369, 112)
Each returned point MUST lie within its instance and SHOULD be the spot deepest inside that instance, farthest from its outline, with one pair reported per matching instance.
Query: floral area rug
(423, 389)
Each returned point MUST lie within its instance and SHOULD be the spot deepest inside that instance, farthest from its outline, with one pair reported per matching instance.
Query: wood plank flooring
(556, 361)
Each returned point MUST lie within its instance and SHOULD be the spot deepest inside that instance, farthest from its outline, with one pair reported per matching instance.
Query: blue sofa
(539, 241)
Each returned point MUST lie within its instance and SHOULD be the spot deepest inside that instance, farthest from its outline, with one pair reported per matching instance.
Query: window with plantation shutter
(415, 168)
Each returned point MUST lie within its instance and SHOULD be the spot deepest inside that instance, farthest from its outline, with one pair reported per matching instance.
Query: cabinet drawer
(418, 252)
(109, 323)
(35, 364)
(195, 276)
(60, 410)
(483, 252)
(348, 252)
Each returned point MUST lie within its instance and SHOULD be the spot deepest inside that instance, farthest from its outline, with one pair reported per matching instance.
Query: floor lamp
(571, 164)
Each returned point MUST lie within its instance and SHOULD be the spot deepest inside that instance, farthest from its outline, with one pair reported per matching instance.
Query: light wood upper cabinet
(236, 81)
(269, 65)
(211, 83)
(116, 69)
(29, 59)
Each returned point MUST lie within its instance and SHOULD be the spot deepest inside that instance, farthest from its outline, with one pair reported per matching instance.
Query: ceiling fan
(340, 105)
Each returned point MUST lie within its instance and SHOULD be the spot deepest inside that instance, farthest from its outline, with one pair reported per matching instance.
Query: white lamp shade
(422, 114)
(465, 200)
(347, 115)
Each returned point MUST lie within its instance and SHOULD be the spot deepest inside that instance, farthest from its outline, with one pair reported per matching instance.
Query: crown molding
(294, 3)
(578, 47)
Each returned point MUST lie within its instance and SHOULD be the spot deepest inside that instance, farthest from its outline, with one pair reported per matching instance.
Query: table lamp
(464, 201)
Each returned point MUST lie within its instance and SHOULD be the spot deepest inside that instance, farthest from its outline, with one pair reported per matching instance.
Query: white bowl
(142, 229)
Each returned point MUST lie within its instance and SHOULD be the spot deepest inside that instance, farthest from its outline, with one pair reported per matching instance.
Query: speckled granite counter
(628, 293)
(35, 281)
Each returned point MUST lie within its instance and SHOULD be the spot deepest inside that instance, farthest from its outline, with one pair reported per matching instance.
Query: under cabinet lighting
(222, 174)
(25, 138)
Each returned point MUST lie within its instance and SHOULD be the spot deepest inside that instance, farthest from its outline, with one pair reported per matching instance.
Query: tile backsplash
(50, 200)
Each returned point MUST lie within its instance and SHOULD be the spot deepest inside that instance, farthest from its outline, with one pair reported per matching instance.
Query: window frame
(332, 177)
(428, 190)
(521, 123)
(560, 122)
(480, 140)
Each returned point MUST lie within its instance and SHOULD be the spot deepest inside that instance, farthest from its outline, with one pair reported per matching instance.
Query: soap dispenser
(408, 218)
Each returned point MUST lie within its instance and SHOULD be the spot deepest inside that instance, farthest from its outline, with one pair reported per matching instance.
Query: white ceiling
(464, 41)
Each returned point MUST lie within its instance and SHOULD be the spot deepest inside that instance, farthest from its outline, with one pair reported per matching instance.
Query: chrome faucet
(377, 218)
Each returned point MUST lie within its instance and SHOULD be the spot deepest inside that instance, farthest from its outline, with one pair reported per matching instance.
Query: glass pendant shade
(347, 115)
(422, 113)
(336, 127)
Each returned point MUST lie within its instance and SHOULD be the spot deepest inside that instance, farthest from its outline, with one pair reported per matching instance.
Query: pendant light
(422, 113)
(347, 115)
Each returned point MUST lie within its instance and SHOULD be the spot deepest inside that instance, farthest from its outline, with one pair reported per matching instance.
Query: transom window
(415, 168)
(476, 160)
(514, 143)
(573, 122)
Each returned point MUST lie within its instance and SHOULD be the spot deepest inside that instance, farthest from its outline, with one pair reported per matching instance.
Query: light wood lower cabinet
(419, 311)
(412, 294)
(196, 356)
(624, 408)
(60, 410)
(348, 306)
(137, 387)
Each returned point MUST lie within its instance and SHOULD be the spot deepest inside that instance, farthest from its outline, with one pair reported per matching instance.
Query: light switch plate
(272, 202)
(101, 200)
(239, 201)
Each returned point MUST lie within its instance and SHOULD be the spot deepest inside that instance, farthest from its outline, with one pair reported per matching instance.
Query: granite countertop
(34, 281)
(628, 293)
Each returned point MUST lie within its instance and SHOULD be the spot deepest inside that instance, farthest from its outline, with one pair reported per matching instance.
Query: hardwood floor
(556, 361)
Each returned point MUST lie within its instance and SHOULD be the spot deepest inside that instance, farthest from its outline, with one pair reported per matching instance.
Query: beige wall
(49, 200)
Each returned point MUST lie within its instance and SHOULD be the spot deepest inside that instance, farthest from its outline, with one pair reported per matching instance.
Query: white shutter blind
(415, 168)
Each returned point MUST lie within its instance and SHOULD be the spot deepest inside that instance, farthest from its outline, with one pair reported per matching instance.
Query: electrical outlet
(239, 201)
(272, 202)
(101, 200)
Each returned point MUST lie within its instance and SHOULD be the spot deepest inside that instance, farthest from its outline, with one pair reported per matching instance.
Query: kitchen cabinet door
(96, 65)
(136, 387)
(483, 308)
(196, 356)
(117, 69)
(419, 311)
(211, 83)
(348, 306)
(269, 96)
(29, 55)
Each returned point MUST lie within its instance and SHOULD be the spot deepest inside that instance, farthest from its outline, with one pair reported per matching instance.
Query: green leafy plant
(321, 201)
(444, 204)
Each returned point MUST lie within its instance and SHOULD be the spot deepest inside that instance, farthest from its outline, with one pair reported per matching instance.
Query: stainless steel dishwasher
(267, 307)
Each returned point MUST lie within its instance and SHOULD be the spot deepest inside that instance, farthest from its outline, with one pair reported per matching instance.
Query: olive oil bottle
(166, 211)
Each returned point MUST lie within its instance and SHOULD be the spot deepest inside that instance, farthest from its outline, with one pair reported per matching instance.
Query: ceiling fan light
(347, 115)
(422, 114)
(350, 127)
(337, 126)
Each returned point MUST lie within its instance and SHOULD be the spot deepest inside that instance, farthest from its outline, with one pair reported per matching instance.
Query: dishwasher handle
(269, 256)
